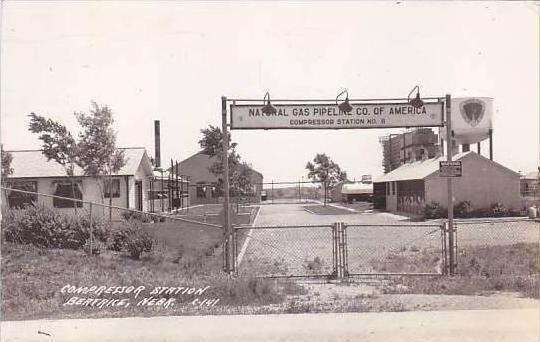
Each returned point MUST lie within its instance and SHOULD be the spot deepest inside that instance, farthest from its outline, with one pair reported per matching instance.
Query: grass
(213, 213)
(185, 254)
(187, 238)
(410, 260)
(359, 206)
(32, 279)
(481, 269)
(327, 210)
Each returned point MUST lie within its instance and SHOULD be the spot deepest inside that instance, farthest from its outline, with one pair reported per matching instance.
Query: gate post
(450, 248)
(335, 263)
(444, 250)
(227, 230)
(339, 251)
(235, 251)
(453, 231)
(344, 251)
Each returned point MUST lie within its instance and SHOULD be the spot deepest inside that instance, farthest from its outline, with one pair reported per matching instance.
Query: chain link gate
(356, 250)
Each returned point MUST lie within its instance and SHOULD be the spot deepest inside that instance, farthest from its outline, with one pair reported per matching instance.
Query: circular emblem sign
(472, 111)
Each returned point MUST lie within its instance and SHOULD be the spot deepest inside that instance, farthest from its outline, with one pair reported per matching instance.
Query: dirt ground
(368, 296)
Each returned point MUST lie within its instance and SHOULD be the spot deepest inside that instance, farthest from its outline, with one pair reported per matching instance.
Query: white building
(32, 172)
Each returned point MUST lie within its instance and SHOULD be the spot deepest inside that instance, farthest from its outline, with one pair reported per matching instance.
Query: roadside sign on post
(450, 169)
(329, 116)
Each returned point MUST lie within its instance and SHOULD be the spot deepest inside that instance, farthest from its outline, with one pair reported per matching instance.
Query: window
(112, 187)
(69, 190)
(18, 199)
(214, 191)
(394, 188)
(201, 191)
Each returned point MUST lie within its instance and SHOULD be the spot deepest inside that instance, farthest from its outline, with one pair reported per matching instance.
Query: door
(138, 195)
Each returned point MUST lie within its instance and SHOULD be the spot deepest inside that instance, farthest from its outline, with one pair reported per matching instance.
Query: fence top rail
(494, 221)
(401, 225)
(285, 226)
(114, 207)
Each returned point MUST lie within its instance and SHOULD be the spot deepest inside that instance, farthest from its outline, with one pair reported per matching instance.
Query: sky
(172, 61)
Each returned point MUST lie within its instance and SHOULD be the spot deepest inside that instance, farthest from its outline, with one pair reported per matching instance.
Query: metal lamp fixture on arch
(268, 109)
(344, 106)
(417, 101)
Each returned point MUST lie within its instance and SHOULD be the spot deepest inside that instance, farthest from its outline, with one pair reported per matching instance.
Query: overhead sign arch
(327, 114)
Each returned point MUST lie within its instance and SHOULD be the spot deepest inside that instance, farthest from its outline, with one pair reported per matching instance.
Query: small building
(205, 187)
(347, 191)
(33, 172)
(410, 187)
(353, 192)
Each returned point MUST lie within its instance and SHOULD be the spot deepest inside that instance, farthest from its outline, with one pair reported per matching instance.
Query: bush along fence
(49, 221)
(465, 209)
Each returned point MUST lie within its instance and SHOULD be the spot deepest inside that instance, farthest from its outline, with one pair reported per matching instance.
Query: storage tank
(471, 119)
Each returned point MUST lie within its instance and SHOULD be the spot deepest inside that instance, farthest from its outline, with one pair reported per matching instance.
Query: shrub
(463, 209)
(132, 239)
(434, 210)
(313, 266)
(46, 228)
(498, 210)
(97, 247)
(129, 215)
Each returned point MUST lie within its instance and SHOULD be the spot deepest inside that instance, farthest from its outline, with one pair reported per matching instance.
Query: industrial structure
(416, 144)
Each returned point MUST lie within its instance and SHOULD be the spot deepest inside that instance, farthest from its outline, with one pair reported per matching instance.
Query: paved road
(283, 214)
(435, 326)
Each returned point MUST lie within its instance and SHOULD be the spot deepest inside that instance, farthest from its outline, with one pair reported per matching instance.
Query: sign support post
(449, 185)
(226, 202)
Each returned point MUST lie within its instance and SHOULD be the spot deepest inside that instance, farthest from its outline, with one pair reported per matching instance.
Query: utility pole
(449, 146)
(226, 203)
(490, 133)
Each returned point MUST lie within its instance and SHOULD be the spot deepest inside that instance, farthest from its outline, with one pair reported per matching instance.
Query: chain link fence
(284, 251)
(498, 238)
(404, 249)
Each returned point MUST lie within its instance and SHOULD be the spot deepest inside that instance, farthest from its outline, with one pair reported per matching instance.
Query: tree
(98, 155)
(95, 151)
(58, 145)
(7, 170)
(239, 172)
(325, 171)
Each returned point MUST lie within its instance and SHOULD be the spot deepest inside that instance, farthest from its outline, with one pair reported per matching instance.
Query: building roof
(33, 164)
(356, 188)
(424, 168)
(201, 153)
